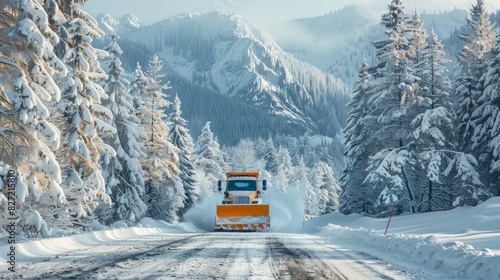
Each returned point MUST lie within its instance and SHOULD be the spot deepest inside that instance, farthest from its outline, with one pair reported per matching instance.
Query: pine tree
(301, 186)
(285, 169)
(359, 133)
(329, 187)
(180, 138)
(29, 70)
(164, 190)
(486, 139)
(318, 194)
(434, 137)
(395, 102)
(417, 44)
(478, 43)
(209, 160)
(299, 180)
(267, 151)
(123, 172)
(244, 157)
(82, 108)
(138, 86)
(305, 149)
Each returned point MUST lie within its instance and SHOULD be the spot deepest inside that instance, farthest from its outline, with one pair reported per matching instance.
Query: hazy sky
(262, 12)
(265, 13)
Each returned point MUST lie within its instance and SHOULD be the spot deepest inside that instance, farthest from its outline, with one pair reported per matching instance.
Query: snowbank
(37, 250)
(455, 259)
(463, 243)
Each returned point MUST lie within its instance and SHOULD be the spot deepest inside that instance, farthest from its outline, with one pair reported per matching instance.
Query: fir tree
(450, 173)
(29, 138)
(478, 43)
(285, 169)
(359, 133)
(395, 101)
(82, 108)
(270, 156)
(209, 159)
(486, 139)
(123, 172)
(138, 87)
(244, 157)
(164, 190)
(417, 44)
(180, 138)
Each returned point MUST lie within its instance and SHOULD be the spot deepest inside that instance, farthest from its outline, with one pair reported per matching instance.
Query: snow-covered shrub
(32, 225)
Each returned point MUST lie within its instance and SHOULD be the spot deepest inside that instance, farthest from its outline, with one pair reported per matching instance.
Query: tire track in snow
(326, 262)
(298, 263)
(249, 256)
(90, 271)
(367, 263)
(208, 256)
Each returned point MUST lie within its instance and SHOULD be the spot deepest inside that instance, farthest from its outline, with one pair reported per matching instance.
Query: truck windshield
(241, 185)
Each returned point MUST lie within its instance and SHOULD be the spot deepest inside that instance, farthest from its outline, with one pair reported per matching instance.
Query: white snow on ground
(36, 250)
(463, 243)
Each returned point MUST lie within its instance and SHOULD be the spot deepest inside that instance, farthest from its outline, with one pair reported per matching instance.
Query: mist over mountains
(252, 84)
(336, 44)
(229, 72)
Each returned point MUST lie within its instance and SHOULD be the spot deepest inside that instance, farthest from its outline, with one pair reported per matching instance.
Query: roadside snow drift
(463, 243)
(36, 250)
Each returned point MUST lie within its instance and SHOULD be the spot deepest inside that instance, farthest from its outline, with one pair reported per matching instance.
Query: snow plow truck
(242, 208)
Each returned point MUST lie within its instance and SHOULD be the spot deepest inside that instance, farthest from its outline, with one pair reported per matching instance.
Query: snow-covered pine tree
(123, 172)
(300, 185)
(83, 110)
(486, 117)
(329, 188)
(478, 43)
(285, 169)
(209, 160)
(305, 149)
(244, 158)
(417, 44)
(28, 138)
(138, 86)
(164, 191)
(358, 136)
(395, 101)
(266, 150)
(317, 196)
(180, 138)
(435, 140)
(299, 181)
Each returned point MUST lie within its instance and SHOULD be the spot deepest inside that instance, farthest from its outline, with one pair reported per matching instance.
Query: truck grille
(241, 200)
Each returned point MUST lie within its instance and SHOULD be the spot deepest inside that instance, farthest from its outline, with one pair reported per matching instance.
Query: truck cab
(242, 188)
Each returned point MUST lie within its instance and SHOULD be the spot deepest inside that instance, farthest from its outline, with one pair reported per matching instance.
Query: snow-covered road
(214, 256)
(463, 243)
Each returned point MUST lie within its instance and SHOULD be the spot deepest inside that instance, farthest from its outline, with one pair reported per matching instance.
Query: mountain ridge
(345, 42)
(224, 54)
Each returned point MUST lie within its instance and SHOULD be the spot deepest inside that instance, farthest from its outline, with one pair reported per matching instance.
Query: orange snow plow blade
(242, 217)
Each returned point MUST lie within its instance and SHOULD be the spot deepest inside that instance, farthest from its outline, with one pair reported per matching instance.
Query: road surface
(225, 255)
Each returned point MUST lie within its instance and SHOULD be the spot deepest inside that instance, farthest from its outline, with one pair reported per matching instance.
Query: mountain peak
(228, 55)
(110, 25)
(131, 21)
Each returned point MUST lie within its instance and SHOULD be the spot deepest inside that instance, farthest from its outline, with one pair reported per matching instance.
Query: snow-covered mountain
(126, 23)
(226, 55)
(378, 7)
(337, 41)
